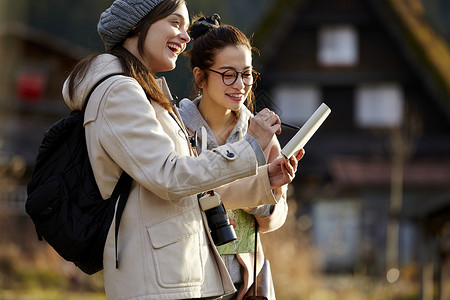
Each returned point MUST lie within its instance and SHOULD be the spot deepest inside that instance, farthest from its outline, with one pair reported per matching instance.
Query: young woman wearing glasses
(221, 61)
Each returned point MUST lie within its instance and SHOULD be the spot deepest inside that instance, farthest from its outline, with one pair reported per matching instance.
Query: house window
(295, 104)
(379, 105)
(338, 45)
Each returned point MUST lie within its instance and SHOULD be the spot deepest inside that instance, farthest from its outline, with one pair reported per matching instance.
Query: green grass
(48, 294)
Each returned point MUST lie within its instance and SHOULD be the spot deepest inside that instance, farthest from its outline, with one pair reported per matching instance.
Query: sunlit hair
(205, 47)
(131, 65)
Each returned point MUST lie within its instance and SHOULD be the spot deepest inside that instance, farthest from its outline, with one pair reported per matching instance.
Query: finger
(300, 154)
(267, 114)
(287, 171)
(278, 119)
(265, 110)
(263, 114)
(288, 167)
(278, 122)
(294, 163)
(257, 116)
(272, 117)
(283, 168)
(276, 128)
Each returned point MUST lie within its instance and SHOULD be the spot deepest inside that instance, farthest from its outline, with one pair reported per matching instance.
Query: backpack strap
(120, 194)
(123, 185)
(96, 85)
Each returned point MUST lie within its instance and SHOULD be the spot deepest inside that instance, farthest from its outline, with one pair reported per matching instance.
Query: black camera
(221, 230)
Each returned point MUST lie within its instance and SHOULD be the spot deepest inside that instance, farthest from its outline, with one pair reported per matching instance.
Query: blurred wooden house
(374, 186)
(34, 65)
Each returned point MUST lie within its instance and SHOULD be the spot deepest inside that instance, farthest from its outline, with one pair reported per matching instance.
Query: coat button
(229, 154)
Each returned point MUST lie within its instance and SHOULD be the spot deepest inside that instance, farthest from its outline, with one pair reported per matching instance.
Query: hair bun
(202, 25)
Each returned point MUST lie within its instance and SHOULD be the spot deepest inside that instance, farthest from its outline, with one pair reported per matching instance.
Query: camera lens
(221, 230)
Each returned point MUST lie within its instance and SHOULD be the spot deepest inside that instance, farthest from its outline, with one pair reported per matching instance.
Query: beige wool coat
(164, 247)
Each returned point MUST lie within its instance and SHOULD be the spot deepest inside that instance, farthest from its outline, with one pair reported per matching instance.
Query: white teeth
(235, 95)
(176, 47)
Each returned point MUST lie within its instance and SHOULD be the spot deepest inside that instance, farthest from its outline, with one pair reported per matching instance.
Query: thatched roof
(405, 20)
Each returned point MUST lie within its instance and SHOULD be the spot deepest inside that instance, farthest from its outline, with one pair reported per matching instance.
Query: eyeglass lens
(248, 77)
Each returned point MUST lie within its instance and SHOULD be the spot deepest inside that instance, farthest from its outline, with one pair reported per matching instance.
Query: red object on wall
(30, 86)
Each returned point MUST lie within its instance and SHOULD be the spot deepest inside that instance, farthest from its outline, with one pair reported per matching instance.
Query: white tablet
(299, 140)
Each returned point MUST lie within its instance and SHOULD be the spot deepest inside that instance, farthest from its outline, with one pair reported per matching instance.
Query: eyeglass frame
(254, 73)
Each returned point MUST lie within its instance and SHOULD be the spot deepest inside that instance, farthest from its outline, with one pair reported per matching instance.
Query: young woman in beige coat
(165, 250)
(221, 60)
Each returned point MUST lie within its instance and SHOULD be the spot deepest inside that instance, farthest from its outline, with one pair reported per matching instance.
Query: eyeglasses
(229, 77)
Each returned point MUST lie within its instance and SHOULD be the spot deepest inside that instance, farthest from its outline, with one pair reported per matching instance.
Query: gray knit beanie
(116, 22)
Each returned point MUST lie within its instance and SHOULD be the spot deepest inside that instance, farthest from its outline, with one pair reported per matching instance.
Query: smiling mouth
(175, 48)
(235, 96)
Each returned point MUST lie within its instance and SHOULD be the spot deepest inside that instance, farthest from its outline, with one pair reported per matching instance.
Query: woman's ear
(199, 77)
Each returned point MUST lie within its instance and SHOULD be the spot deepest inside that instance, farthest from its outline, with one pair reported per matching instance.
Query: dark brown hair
(206, 46)
(131, 65)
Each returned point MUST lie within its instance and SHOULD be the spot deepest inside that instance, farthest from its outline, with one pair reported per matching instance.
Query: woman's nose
(239, 83)
(185, 36)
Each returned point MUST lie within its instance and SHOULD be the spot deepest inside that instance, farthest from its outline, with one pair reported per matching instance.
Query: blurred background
(370, 205)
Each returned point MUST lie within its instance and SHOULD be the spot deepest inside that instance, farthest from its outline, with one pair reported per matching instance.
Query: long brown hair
(131, 65)
(205, 47)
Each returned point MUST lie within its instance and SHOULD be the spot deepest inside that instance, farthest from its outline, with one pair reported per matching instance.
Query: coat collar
(194, 121)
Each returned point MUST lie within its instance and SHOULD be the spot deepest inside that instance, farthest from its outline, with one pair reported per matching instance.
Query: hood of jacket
(102, 65)
(194, 122)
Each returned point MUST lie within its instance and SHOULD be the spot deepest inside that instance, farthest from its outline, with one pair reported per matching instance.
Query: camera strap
(204, 138)
(180, 123)
(255, 285)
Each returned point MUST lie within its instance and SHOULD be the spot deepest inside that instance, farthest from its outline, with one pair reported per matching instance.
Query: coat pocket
(176, 244)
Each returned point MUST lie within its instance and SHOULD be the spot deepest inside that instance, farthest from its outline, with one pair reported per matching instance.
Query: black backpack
(64, 201)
